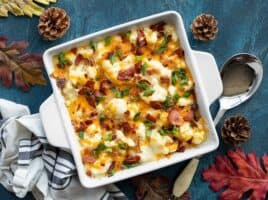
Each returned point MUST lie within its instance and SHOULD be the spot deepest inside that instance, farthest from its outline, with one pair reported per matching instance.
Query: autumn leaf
(238, 173)
(24, 68)
(152, 187)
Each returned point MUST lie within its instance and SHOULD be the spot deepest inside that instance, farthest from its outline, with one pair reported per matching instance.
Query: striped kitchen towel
(29, 163)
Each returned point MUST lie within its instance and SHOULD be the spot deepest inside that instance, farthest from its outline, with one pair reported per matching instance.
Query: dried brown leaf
(24, 68)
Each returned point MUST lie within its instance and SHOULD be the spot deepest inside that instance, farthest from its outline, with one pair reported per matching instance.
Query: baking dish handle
(210, 75)
(52, 124)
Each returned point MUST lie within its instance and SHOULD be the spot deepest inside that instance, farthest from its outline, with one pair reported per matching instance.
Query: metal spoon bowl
(249, 73)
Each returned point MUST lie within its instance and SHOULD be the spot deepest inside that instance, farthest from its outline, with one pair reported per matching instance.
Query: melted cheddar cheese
(130, 97)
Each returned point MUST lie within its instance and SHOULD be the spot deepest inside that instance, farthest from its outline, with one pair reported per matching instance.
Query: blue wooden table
(243, 27)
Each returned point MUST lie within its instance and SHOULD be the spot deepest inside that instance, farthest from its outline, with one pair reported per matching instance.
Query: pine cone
(53, 23)
(204, 27)
(235, 130)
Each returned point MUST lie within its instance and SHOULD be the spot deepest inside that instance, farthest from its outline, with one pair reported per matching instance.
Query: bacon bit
(125, 75)
(151, 118)
(174, 116)
(113, 136)
(110, 170)
(132, 159)
(105, 85)
(138, 67)
(127, 127)
(194, 106)
(164, 79)
(88, 159)
(134, 91)
(151, 71)
(107, 124)
(181, 148)
(88, 122)
(179, 52)
(127, 113)
(90, 84)
(189, 116)
(82, 126)
(156, 104)
(141, 40)
(93, 114)
(158, 26)
(74, 50)
(89, 173)
(91, 99)
(97, 93)
(78, 59)
(60, 82)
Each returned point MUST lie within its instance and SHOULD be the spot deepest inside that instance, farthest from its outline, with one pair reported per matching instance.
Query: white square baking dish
(208, 88)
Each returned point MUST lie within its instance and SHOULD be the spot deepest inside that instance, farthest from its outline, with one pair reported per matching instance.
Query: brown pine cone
(204, 27)
(235, 130)
(53, 23)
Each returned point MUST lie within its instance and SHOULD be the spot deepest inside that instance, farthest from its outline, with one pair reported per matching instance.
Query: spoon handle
(219, 115)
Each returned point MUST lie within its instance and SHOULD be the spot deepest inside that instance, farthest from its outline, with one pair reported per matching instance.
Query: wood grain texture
(243, 27)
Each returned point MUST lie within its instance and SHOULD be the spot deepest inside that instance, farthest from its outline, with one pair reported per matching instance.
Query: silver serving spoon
(241, 77)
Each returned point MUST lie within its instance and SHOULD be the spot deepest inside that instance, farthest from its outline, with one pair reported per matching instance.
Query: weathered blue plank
(243, 27)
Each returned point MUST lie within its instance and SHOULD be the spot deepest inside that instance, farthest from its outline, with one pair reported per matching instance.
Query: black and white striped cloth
(29, 163)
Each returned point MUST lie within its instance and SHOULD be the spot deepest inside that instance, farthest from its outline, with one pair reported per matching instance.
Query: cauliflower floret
(116, 108)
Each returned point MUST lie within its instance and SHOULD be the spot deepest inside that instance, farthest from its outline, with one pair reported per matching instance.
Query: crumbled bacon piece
(79, 126)
(151, 118)
(141, 40)
(125, 75)
(107, 124)
(78, 59)
(110, 170)
(90, 84)
(88, 122)
(127, 127)
(132, 159)
(61, 82)
(158, 26)
(91, 99)
(138, 67)
(87, 157)
(164, 79)
(151, 71)
(93, 114)
(74, 50)
(174, 116)
(179, 52)
(105, 85)
(156, 104)
(189, 116)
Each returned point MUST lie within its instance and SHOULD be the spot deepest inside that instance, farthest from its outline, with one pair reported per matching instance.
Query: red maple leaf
(238, 173)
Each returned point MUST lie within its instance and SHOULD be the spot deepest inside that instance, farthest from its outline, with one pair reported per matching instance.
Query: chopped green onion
(63, 61)
(175, 130)
(127, 166)
(125, 92)
(148, 124)
(119, 54)
(187, 94)
(148, 132)
(128, 34)
(107, 40)
(137, 116)
(179, 74)
(144, 67)
(112, 58)
(163, 45)
(122, 146)
(109, 149)
(96, 152)
(102, 118)
(148, 92)
(168, 102)
(93, 45)
(108, 137)
(138, 57)
(162, 132)
(176, 98)
(81, 134)
(99, 99)
(143, 85)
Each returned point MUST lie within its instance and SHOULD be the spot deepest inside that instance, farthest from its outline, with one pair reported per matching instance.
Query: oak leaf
(24, 68)
(237, 174)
